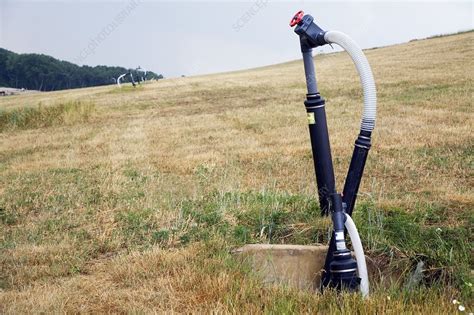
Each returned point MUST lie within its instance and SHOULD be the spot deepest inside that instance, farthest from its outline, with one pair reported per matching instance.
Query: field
(131, 200)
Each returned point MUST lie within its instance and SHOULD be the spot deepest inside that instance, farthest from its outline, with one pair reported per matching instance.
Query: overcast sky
(196, 37)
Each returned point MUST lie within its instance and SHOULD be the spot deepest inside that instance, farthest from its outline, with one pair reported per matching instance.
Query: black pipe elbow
(311, 35)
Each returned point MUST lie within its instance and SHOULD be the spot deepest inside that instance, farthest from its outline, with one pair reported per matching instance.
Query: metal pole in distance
(318, 132)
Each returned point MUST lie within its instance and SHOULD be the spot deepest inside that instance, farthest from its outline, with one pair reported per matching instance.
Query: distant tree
(45, 73)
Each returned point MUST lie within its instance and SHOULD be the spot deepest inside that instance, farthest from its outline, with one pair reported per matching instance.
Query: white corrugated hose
(360, 256)
(365, 73)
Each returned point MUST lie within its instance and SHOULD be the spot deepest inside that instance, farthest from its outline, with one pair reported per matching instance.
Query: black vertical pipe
(318, 132)
(310, 73)
(329, 199)
(320, 146)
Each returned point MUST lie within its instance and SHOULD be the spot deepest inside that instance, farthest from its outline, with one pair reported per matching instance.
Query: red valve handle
(297, 18)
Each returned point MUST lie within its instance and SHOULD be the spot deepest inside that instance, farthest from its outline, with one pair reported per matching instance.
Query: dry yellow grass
(80, 201)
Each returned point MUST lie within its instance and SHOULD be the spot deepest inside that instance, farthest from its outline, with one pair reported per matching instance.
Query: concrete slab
(296, 266)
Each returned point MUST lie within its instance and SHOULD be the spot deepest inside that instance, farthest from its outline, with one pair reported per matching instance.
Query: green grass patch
(126, 89)
(67, 113)
(393, 235)
(420, 236)
(7, 217)
(250, 217)
(136, 225)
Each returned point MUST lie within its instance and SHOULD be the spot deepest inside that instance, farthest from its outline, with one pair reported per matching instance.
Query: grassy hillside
(121, 200)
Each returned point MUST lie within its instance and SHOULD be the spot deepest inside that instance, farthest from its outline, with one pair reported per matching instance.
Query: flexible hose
(360, 256)
(120, 78)
(365, 73)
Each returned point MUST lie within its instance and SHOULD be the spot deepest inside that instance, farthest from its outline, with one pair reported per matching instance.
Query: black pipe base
(343, 271)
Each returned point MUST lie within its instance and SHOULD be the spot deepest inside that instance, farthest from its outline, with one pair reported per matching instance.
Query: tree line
(45, 73)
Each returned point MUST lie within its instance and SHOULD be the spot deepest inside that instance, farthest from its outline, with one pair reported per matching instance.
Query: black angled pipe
(356, 170)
